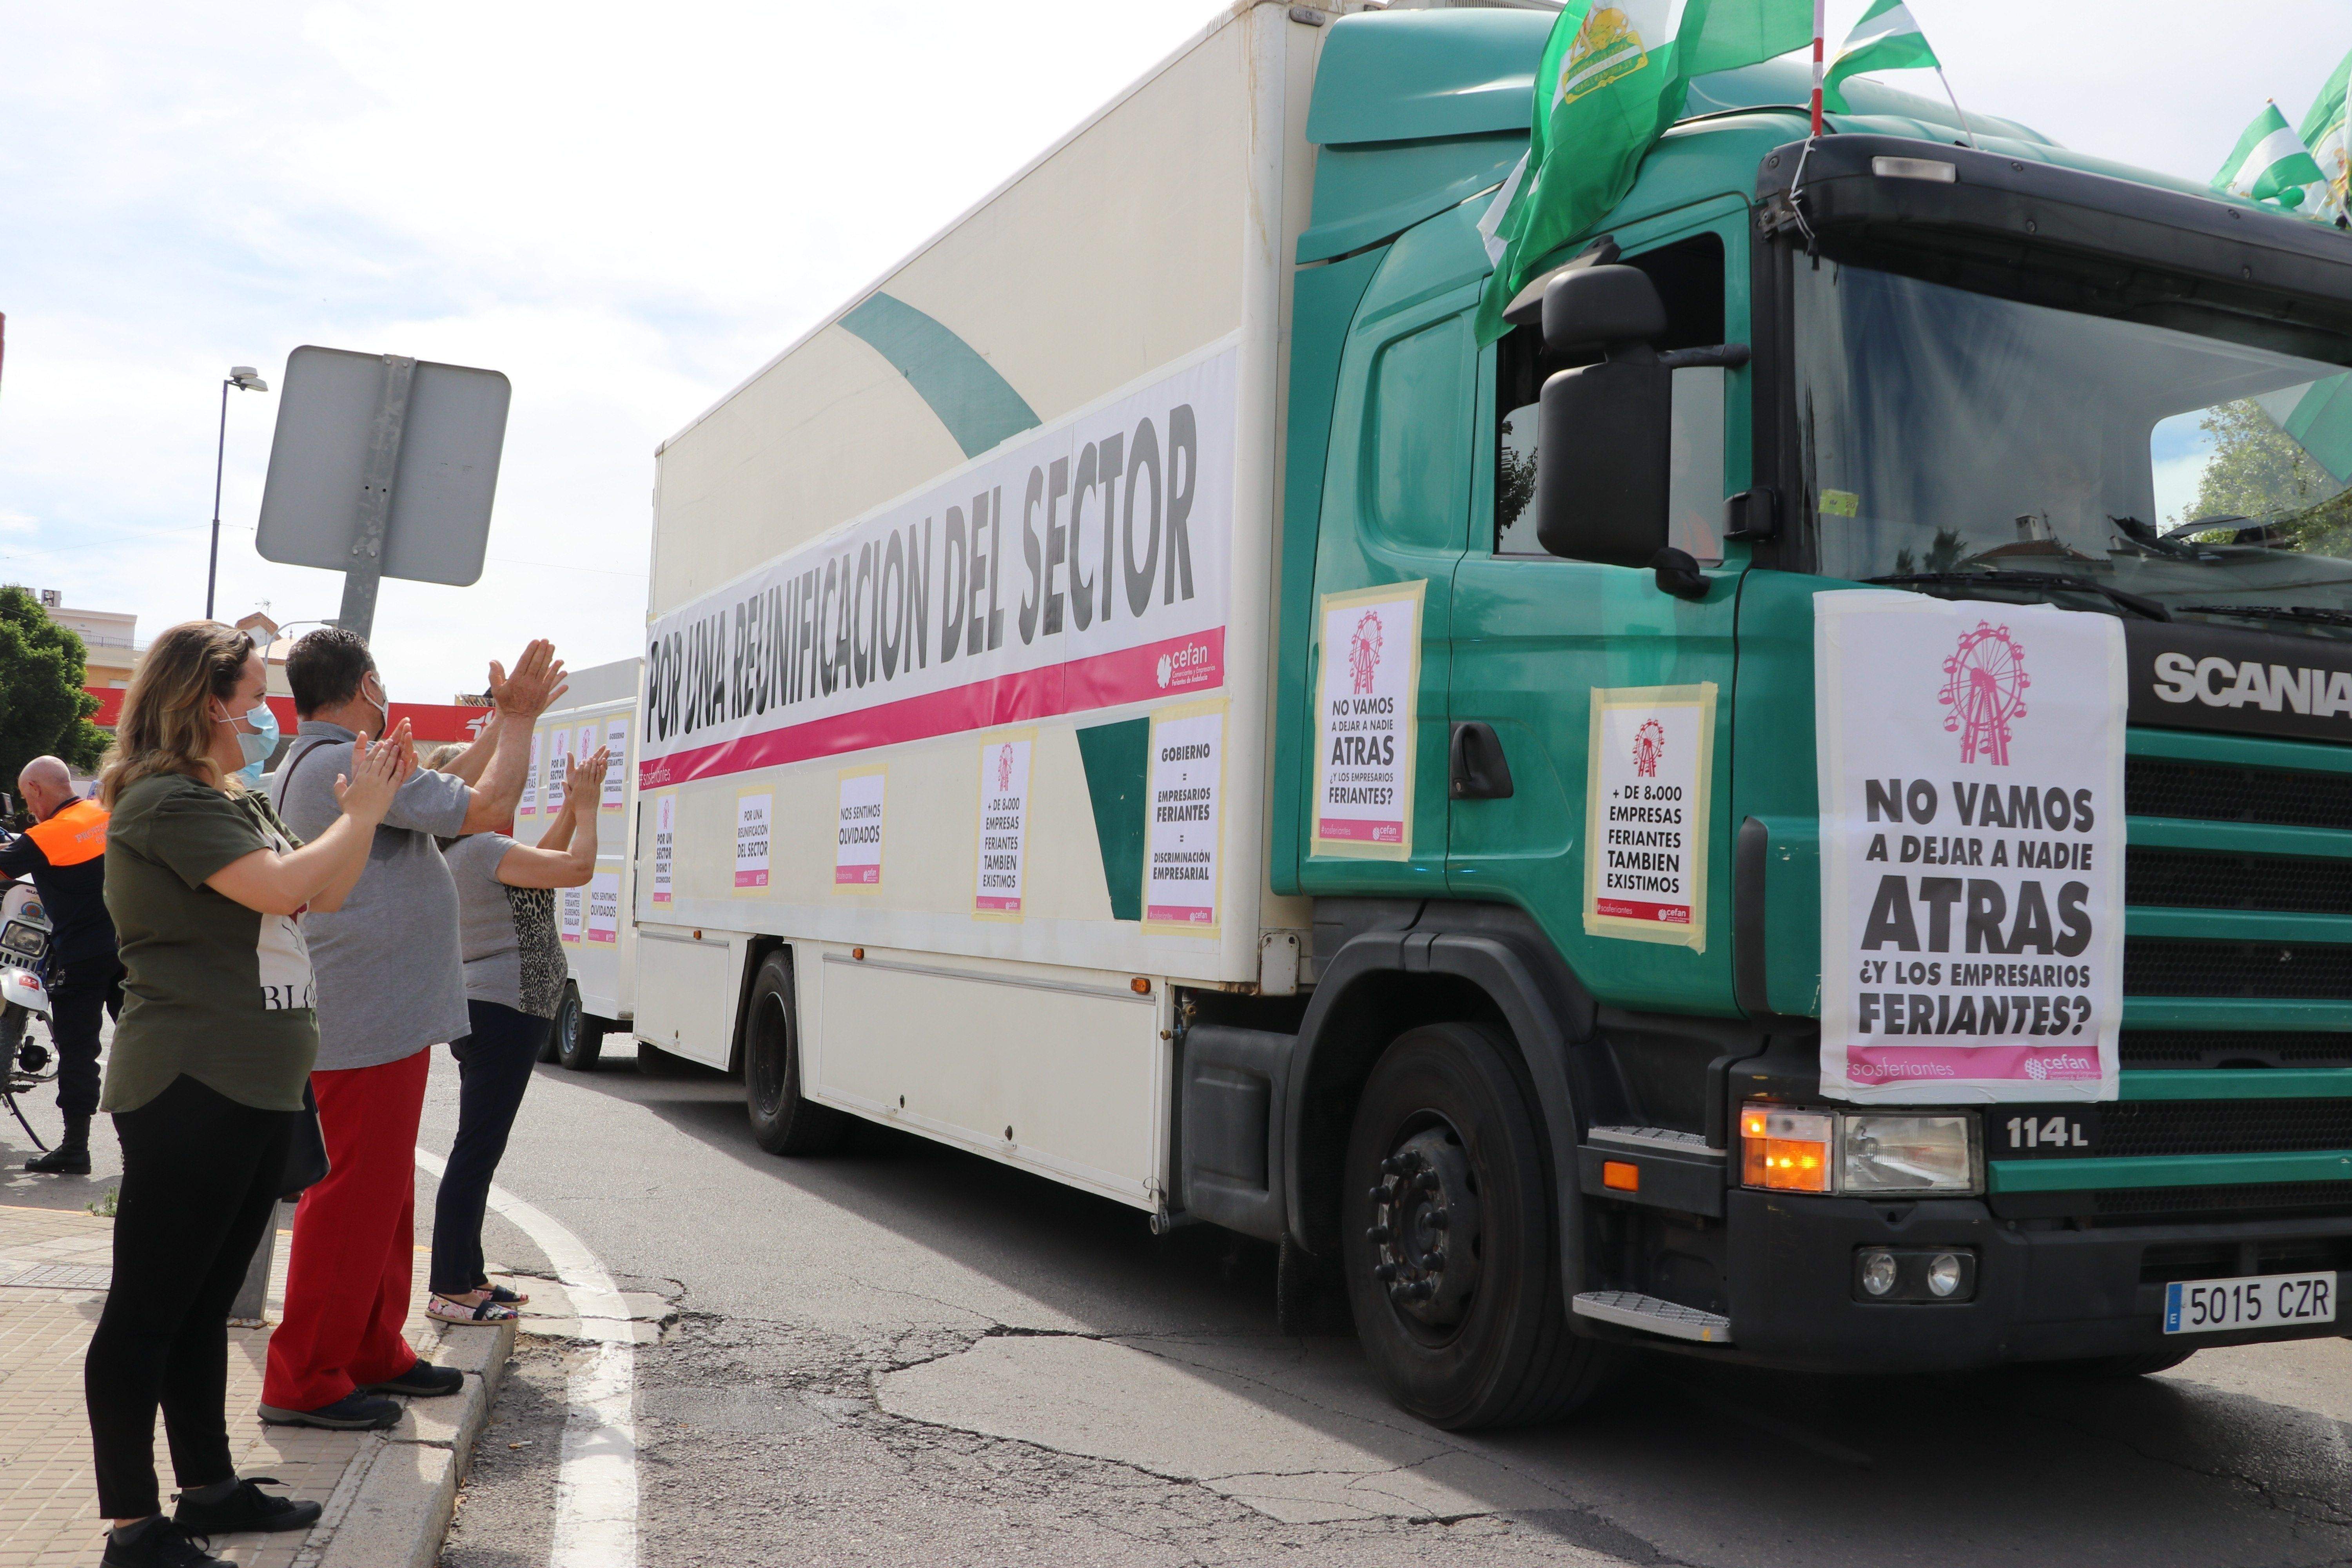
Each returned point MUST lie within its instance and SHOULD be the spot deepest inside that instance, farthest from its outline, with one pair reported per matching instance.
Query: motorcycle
(25, 1062)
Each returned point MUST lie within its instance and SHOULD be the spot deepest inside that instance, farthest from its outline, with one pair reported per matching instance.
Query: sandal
(502, 1296)
(454, 1312)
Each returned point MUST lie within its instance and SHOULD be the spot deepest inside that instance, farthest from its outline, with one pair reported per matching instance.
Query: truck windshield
(1957, 443)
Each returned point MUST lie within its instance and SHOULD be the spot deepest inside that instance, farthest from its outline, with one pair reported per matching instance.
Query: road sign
(382, 466)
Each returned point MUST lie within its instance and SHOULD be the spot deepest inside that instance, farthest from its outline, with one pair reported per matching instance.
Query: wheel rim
(567, 1027)
(767, 1065)
(1426, 1229)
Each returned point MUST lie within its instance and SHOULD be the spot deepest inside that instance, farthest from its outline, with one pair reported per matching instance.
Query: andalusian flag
(1885, 39)
(1611, 82)
(2270, 164)
(2325, 132)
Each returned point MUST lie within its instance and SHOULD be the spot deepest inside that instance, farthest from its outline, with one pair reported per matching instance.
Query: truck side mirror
(1603, 430)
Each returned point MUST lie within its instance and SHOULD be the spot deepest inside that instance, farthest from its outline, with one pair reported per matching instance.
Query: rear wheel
(784, 1121)
(1450, 1243)
(579, 1038)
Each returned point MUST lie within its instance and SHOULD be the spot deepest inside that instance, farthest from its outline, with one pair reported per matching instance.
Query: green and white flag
(2325, 132)
(1885, 39)
(1611, 79)
(2270, 164)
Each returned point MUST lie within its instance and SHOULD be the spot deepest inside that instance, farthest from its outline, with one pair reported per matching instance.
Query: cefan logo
(1649, 746)
(1364, 652)
(1984, 688)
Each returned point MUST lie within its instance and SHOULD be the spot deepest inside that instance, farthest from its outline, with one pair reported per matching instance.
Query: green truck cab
(1524, 1144)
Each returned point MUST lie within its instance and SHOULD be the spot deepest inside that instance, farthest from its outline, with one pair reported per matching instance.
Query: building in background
(110, 648)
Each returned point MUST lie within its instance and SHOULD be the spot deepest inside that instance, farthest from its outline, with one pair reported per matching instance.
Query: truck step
(1631, 1310)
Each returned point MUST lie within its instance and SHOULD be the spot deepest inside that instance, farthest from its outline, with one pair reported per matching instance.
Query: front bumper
(2043, 1294)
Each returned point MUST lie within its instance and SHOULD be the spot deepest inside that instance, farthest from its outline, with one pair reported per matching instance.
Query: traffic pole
(1821, 26)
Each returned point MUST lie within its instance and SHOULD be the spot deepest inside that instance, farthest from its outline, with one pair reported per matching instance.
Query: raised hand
(588, 776)
(536, 683)
(377, 773)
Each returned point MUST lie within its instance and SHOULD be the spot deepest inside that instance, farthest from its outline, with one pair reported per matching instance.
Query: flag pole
(1821, 26)
(1966, 129)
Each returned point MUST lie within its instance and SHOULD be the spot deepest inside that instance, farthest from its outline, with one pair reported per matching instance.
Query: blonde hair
(441, 756)
(164, 727)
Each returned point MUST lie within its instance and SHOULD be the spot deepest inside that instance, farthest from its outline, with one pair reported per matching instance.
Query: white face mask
(382, 709)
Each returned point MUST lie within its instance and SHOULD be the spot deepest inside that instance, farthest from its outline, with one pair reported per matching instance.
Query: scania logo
(2220, 682)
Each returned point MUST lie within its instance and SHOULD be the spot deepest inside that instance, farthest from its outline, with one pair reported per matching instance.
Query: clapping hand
(377, 773)
(532, 689)
(588, 776)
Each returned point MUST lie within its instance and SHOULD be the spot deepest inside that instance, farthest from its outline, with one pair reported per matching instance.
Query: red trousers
(347, 1285)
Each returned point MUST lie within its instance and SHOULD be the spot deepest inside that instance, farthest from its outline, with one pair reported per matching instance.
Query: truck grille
(2144, 1126)
(2217, 792)
(2187, 879)
(2175, 1050)
(2308, 970)
(2137, 1204)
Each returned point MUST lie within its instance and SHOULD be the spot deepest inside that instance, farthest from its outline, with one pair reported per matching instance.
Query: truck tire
(784, 1121)
(579, 1038)
(1450, 1244)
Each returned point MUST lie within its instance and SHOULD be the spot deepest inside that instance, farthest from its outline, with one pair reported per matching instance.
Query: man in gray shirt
(389, 984)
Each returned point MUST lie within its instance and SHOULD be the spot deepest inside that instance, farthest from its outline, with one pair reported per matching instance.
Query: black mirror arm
(1678, 573)
(1729, 356)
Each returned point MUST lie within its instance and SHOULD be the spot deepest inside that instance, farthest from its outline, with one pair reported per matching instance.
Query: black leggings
(493, 1069)
(200, 1175)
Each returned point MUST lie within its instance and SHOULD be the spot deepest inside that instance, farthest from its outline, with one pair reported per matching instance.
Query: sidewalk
(387, 1495)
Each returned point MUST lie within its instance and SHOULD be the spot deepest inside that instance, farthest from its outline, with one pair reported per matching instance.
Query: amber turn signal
(1621, 1175)
(1785, 1150)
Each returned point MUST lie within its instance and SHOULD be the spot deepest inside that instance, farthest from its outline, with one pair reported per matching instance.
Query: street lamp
(244, 378)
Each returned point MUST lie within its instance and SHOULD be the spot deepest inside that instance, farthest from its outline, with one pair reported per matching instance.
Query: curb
(392, 1506)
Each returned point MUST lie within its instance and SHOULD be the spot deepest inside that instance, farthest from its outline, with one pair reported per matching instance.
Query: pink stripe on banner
(1633, 909)
(996, 906)
(1192, 663)
(750, 878)
(857, 876)
(1347, 830)
(1180, 914)
(602, 936)
(2022, 1063)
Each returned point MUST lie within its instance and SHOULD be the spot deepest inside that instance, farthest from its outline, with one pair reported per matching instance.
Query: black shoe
(424, 1381)
(157, 1543)
(354, 1412)
(61, 1161)
(245, 1508)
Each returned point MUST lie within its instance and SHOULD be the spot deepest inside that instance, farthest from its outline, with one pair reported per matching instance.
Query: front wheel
(579, 1038)
(784, 1119)
(1450, 1243)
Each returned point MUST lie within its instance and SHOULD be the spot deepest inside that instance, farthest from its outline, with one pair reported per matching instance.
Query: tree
(43, 707)
(2258, 470)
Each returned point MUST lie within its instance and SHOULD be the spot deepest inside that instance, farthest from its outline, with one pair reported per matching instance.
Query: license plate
(2263, 1301)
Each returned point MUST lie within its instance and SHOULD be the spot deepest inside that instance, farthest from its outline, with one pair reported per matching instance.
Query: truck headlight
(1907, 1153)
(1872, 1154)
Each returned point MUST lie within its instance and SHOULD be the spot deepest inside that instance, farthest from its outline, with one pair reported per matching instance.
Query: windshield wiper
(2137, 605)
(2313, 615)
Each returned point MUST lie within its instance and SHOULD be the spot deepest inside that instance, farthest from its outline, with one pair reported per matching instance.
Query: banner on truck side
(1365, 705)
(1085, 564)
(1184, 821)
(755, 811)
(1004, 825)
(857, 839)
(665, 847)
(529, 804)
(617, 775)
(1971, 767)
(567, 922)
(605, 906)
(1651, 753)
(558, 742)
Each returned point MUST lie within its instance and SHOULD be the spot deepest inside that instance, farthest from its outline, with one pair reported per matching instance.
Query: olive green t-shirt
(211, 988)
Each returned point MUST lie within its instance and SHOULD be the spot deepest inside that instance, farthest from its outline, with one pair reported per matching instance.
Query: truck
(593, 923)
(1793, 809)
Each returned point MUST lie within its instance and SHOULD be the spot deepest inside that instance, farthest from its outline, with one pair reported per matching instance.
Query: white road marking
(596, 1483)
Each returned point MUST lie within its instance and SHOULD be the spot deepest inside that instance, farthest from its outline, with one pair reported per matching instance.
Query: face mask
(383, 709)
(256, 746)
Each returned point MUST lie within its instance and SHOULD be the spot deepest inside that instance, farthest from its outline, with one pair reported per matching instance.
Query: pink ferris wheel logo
(1364, 652)
(1649, 746)
(1984, 688)
(1005, 767)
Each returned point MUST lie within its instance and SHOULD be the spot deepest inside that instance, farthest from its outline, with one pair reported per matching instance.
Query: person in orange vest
(64, 852)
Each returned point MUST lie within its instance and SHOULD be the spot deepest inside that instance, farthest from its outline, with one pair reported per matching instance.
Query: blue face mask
(256, 746)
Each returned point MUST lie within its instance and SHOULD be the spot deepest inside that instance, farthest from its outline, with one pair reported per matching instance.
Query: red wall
(428, 721)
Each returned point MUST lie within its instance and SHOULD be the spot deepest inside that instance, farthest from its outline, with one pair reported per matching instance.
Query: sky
(628, 210)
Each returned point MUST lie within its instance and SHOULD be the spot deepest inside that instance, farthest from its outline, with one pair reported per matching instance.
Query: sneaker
(158, 1544)
(354, 1412)
(245, 1508)
(422, 1379)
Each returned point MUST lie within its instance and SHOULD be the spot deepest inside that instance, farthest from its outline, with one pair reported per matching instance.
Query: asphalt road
(902, 1354)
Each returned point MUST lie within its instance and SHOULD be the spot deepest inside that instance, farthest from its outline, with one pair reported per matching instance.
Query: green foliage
(2257, 470)
(43, 707)
(1514, 486)
(103, 1206)
(1943, 555)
